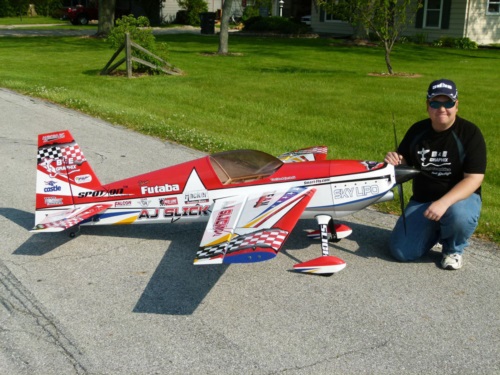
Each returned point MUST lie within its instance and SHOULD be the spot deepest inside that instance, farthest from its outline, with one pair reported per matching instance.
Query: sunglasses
(436, 105)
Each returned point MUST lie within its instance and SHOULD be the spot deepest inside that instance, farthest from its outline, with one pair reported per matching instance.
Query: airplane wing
(306, 154)
(246, 229)
(67, 219)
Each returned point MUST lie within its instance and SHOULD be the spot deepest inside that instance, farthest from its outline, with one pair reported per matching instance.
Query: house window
(432, 13)
(493, 7)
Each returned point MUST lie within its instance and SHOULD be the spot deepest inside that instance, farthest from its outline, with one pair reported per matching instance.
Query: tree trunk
(224, 28)
(388, 57)
(106, 17)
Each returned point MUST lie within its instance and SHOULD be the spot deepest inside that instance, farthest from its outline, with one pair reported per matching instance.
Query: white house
(478, 20)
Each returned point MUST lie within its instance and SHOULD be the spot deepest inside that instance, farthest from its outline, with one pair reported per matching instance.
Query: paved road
(127, 300)
(26, 31)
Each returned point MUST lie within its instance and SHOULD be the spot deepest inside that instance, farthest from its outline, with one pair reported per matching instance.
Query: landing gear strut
(326, 264)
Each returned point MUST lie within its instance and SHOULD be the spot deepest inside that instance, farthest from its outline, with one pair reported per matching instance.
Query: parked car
(81, 12)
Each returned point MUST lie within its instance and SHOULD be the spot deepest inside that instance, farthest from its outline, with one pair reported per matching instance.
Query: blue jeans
(452, 231)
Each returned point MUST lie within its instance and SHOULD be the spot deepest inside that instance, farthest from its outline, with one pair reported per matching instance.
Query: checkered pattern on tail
(270, 238)
(63, 223)
(73, 152)
(53, 152)
(57, 152)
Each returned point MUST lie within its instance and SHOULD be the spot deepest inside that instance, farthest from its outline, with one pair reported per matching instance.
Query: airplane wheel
(74, 234)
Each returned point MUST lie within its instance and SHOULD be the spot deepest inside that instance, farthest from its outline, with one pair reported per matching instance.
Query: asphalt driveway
(127, 300)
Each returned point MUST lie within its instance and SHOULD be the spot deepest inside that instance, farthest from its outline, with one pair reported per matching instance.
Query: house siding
(482, 27)
(328, 27)
(467, 18)
(455, 29)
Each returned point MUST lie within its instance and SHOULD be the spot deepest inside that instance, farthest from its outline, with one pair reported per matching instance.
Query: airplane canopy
(243, 165)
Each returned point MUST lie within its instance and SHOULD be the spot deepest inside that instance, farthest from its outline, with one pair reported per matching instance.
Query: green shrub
(46, 7)
(142, 34)
(458, 43)
(249, 12)
(13, 8)
(279, 25)
(193, 9)
(465, 43)
(437, 43)
(403, 40)
(6, 9)
(420, 38)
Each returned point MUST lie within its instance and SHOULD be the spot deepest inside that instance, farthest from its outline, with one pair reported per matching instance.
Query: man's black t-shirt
(442, 157)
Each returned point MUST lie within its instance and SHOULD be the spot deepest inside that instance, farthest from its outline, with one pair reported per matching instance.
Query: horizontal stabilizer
(66, 219)
(316, 153)
(324, 265)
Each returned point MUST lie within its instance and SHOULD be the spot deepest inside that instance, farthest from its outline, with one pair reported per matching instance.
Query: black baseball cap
(442, 87)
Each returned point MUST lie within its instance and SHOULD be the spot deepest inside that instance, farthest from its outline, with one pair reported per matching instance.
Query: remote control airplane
(251, 200)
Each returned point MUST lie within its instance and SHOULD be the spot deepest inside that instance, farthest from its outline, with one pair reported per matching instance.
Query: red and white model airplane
(251, 200)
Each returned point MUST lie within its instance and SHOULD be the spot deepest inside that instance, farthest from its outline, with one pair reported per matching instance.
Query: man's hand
(436, 210)
(394, 158)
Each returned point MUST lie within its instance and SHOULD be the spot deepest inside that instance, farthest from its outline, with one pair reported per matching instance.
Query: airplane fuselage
(187, 192)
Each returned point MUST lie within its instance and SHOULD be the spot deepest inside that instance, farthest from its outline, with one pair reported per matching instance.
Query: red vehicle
(81, 12)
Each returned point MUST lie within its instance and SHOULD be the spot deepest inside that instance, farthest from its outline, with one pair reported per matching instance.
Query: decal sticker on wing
(63, 220)
(251, 229)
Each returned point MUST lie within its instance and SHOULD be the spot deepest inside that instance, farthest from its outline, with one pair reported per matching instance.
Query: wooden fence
(129, 59)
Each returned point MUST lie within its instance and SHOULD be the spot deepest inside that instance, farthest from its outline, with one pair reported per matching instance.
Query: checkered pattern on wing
(266, 238)
(73, 152)
(212, 251)
(49, 153)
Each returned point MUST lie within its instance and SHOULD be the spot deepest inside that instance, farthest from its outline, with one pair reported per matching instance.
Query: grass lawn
(275, 95)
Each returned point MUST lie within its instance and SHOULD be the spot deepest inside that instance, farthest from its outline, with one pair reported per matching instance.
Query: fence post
(128, 55)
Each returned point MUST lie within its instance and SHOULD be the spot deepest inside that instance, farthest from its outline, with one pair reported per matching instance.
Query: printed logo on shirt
(435, 162)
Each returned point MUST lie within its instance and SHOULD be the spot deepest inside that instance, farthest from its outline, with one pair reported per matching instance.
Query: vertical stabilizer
(62, 172)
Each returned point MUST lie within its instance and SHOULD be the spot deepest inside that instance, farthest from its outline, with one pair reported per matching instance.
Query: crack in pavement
(19, 303)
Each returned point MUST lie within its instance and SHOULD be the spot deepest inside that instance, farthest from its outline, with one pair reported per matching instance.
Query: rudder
(62, 172)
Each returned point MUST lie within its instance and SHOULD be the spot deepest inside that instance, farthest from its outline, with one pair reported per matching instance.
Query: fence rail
(166, 67)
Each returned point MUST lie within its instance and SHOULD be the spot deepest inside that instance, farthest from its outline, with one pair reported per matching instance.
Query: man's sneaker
(452, 261)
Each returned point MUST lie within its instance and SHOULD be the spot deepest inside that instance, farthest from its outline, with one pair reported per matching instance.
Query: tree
(385, 18)
(106, 17)
(224, 28)
(21, 8)
(192, 10)
(46, 7)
